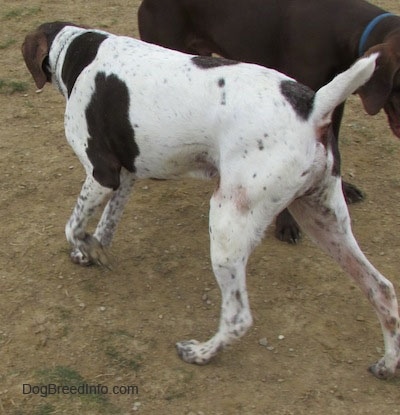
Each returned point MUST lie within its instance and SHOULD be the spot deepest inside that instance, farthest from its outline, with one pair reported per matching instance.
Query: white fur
(267, 158)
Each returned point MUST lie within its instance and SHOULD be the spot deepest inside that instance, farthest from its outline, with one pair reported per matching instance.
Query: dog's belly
(174, 162)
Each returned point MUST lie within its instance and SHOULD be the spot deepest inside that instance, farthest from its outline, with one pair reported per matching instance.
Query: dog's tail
(341, 87)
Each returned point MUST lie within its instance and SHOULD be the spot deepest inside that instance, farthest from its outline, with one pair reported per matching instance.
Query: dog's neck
(57, 54)
(378, 31)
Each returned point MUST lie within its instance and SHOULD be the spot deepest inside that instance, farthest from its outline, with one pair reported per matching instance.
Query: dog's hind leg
(325, 218)
(86, 249)
(235, 228)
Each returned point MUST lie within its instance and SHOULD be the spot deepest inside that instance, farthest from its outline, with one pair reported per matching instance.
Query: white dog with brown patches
(135, 111)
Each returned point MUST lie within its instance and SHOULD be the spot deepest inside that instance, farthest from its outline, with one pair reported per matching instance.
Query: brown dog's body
(309, 40)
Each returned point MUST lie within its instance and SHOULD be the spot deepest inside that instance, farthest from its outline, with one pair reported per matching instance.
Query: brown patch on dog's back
(209, 62)
(299, 96)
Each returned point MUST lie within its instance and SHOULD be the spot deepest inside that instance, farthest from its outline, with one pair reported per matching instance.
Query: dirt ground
(314, 334)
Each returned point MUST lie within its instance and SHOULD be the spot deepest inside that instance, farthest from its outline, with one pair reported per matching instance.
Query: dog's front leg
(113, 211)
(86, 249)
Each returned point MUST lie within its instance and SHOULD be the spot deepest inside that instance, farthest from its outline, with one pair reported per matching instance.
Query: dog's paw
(381, 371)
(192, 351)
(351, 193)
(89, 251)
(286, 228)
(78, 258)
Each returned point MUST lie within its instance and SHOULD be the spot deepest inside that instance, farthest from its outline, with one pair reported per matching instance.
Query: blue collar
(367, 31)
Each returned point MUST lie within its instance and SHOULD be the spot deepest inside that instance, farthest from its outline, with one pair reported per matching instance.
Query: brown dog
(309, 40)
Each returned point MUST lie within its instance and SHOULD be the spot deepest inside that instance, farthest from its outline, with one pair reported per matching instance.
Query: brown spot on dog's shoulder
(111, 144)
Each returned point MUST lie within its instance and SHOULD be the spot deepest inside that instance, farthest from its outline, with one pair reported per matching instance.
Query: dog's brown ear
(375, 93)
(35, 49)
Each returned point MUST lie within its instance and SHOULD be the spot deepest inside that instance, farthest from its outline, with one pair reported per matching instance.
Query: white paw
(78, 258)
(381, 371)
(192, 351)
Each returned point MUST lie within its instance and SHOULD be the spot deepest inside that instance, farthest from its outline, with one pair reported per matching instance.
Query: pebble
(263, 342)
(281, 337)
(136, 406)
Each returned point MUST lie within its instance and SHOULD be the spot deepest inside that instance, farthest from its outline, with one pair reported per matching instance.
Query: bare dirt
(65, 325)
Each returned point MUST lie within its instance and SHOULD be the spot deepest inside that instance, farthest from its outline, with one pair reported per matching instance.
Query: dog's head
(383, 89)
(36, 49)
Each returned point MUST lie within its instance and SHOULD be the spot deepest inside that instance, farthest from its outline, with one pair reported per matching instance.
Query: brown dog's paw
(351, 193)
(286, 228)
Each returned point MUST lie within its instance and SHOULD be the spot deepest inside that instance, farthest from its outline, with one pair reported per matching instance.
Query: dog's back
(202, 105)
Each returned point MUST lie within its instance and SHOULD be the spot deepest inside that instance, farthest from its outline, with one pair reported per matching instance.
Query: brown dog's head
(383, 89)
(36, 49)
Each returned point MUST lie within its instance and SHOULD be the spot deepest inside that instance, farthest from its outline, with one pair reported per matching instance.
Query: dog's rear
(303, 39)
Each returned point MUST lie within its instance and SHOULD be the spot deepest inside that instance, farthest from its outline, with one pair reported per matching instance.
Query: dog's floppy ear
(35, 49)
(375, 93)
